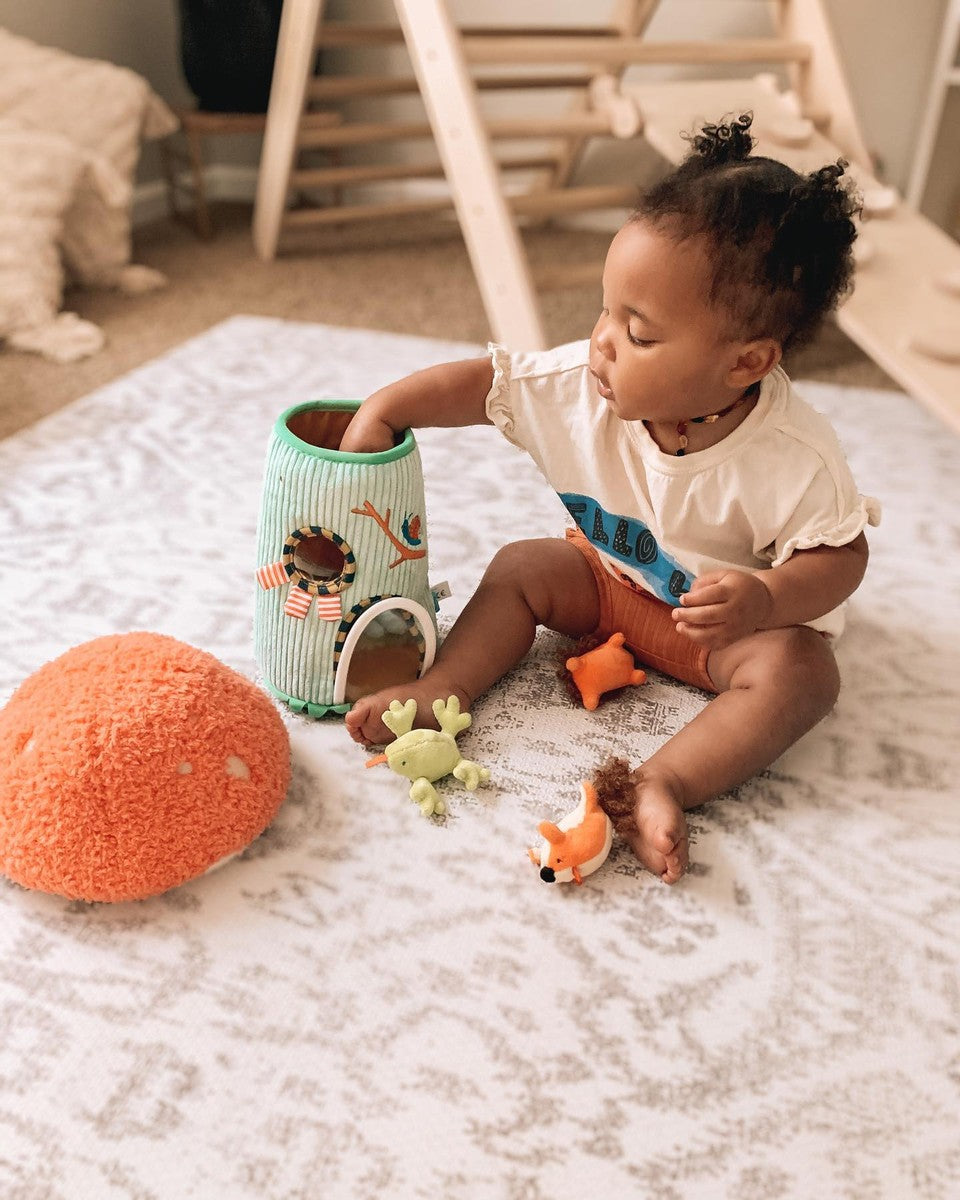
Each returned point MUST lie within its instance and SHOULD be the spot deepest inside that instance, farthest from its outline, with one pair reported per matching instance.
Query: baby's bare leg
(775, 685)
(544, 581)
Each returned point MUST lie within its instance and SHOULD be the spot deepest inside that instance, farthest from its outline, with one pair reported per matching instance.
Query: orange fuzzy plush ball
(131, 764)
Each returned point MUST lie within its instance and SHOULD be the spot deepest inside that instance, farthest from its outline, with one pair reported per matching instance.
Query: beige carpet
(413, 277)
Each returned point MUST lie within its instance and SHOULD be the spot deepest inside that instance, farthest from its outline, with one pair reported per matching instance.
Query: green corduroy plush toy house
(344, 606)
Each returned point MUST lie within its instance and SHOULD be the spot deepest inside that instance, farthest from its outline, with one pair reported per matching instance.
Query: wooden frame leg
(168, 164)
(201, 210)
(296, 50)
(497, 254)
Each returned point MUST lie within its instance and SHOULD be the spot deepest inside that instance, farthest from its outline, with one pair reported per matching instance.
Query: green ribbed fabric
(305, 486)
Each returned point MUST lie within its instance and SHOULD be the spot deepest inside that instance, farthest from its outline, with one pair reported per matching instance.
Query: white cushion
(100, 108)
(40, 173)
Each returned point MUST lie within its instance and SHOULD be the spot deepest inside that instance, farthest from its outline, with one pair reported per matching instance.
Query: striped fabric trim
(331, 586)
(298, 603)
(346, 624)
(272, 575)
(329, 608)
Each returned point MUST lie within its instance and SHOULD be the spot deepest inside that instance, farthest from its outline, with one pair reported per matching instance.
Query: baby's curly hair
(780, 243)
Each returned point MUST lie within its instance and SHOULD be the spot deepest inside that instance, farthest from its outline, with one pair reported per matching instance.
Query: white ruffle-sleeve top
(777, 484)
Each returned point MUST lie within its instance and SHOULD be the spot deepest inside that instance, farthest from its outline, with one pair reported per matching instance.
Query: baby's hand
(367, 434)
(722, 607)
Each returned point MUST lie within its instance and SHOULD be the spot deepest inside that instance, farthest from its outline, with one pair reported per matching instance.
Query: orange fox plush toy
(577, 845)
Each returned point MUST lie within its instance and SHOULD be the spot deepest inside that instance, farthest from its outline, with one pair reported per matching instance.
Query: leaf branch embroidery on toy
(406, 553)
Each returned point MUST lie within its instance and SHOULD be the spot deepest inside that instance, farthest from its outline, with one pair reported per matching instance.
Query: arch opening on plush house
(351, 632)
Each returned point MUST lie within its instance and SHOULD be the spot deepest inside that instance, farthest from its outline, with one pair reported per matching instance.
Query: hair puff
(780, 243)
(726, 142)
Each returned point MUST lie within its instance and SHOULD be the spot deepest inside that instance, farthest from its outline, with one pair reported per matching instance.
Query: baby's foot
(364, 723)
(660, 838)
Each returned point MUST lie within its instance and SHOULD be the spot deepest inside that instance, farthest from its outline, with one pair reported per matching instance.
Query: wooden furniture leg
(201, 211)
(168, 164)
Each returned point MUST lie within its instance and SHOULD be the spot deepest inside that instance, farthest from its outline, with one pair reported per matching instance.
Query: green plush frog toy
(426, 755)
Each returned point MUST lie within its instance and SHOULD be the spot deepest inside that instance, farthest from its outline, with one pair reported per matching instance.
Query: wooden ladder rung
(363, 133)
(578, 275)
(346, 87)
(361, 173)
(357, 33)
(193, 120)
(505, 44)
(316, 119)
(308, 216)
(587, 124)
(573, 199)
(535, 204)
(632, 50)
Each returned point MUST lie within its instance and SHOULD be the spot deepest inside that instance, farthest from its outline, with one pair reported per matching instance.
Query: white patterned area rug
(369, 1003)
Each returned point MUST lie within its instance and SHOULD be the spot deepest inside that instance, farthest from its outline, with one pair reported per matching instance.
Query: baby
(717, 524)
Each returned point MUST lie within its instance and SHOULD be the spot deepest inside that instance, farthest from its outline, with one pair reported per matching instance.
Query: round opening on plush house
(319, 559)
(320, 427)
(317, 428)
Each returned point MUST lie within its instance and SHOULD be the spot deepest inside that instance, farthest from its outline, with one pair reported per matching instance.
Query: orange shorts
(645, 622)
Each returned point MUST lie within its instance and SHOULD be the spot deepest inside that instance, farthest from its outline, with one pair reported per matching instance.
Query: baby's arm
(812, 583)
(724, 606)
(451, 394)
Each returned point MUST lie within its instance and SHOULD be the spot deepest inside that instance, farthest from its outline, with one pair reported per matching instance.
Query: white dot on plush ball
(120, 826)
(237, 767)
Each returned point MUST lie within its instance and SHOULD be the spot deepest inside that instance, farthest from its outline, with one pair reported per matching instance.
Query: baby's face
(659, 351)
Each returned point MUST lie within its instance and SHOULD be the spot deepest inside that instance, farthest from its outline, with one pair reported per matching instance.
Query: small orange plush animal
(601, 670)
(577, 845)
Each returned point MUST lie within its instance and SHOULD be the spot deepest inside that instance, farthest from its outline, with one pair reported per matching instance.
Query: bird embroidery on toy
(576, 846)
(426, 755)
(410, 527)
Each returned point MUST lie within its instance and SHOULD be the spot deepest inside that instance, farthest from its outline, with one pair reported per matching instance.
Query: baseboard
(223, 182)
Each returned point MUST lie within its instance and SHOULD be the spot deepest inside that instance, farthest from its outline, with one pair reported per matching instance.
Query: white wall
(888, 49)
(888, 46)
(141, 34)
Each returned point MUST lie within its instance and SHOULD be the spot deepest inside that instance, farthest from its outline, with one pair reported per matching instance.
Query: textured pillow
(103, 109)
(39, 177)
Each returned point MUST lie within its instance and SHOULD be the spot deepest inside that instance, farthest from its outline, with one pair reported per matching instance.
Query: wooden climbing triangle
(905, 310)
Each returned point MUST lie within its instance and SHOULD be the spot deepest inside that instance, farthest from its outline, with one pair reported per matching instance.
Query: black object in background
(227, 48)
